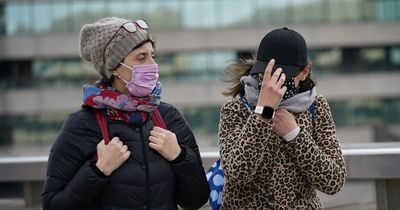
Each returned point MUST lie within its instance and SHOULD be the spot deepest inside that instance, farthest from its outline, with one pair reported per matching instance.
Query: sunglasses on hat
(131, 27)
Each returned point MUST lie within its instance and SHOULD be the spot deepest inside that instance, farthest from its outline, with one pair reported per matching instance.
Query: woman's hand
(111, 156)
(164, 142)
(272, 89)
(283, 122)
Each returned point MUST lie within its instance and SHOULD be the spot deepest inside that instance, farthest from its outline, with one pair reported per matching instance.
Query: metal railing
(378, 162)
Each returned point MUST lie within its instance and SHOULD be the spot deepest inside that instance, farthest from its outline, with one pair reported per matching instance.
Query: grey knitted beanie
(105, 43)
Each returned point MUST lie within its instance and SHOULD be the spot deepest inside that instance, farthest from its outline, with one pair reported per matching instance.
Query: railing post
(387, 194)
(381, 195)
(32, 193)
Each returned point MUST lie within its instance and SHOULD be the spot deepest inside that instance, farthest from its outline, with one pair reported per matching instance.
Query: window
(272, 12)
(88, 12)
(307, 11)
(232, 16)
(394, 56)
(62, 17)
(131, 10)
(18, 18)
(326, 60)
(163, 14)
(344, 11)
(15, 74)
(2, 19)
(199, 14)
(387, 10)
(33, 128)
(366, 112)
(63, 72)
(374, 58)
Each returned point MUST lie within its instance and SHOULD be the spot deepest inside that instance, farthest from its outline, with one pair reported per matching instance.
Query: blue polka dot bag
(215, 178)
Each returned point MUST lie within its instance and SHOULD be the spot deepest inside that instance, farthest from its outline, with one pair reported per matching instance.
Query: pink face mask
(144, 79)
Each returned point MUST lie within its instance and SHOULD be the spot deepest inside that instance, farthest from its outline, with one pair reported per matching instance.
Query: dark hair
(308, 83)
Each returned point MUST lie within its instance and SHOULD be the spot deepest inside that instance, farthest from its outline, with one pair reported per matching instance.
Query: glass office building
(354, 46)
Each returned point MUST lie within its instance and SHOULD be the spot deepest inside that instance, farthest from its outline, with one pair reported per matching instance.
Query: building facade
(354, 46)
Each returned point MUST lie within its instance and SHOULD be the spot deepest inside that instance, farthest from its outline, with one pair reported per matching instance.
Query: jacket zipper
(145, 147)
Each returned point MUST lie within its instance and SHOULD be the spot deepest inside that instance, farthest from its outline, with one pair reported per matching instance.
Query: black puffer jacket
(145, 181)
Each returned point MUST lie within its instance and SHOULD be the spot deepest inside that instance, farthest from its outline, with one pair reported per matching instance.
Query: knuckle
(169, 134)
(264, 85)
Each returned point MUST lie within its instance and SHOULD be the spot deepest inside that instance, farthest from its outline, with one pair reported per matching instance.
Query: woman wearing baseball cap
(150, 160)
(277, 139)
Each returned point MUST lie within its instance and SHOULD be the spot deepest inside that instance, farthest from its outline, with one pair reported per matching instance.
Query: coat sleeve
(323, 156)
(192, 187)
(242, 148)
(72, 183)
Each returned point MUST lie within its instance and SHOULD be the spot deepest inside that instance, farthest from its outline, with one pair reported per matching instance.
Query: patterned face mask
(291, 89)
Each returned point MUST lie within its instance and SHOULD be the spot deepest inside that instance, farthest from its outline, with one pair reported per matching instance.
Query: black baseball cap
(287, 47)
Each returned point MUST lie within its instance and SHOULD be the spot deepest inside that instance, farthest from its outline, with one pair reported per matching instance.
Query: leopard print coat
(263, 172)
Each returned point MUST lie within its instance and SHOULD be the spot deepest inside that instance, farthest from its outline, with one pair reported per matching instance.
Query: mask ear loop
(125, 65)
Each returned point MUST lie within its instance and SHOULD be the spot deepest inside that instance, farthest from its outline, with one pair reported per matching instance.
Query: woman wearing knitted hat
(278, 142)
(151, 160)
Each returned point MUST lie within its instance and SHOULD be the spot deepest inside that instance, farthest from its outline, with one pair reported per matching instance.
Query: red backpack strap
(157, 119)
(102, 121)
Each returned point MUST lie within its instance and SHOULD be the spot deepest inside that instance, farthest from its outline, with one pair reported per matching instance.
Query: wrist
(96, 169)
(292, 134)
(180, 156)
(102, 168)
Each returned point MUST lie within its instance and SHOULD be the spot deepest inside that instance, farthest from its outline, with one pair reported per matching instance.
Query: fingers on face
(278, 77)
(281, 80)
(283, 90)
(268, 70)
(275, 77)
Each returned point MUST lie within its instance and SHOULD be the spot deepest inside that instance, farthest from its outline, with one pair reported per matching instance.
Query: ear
(115, 72)
(306, 71)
